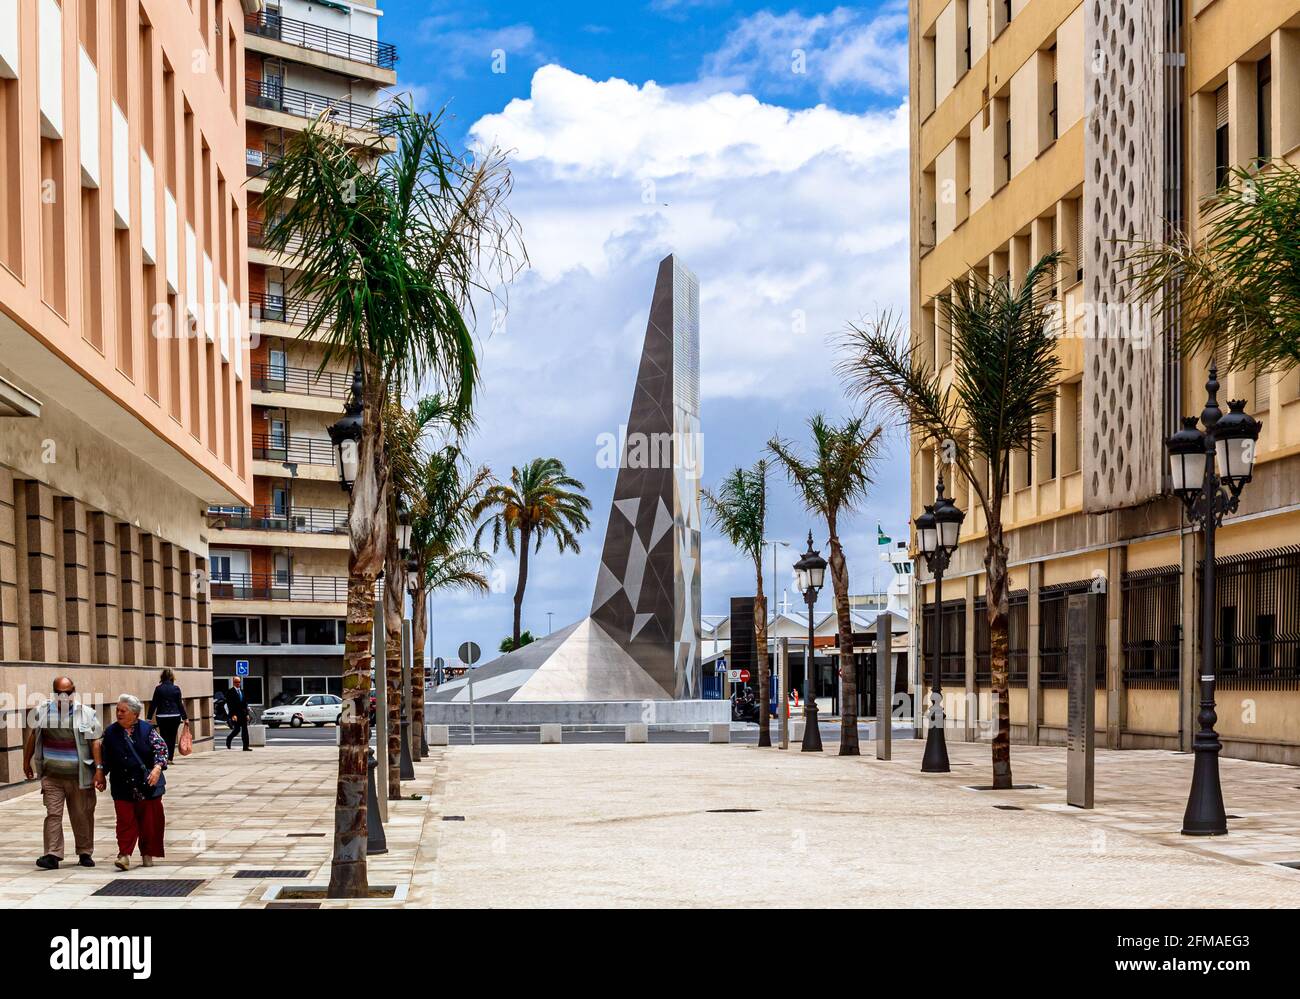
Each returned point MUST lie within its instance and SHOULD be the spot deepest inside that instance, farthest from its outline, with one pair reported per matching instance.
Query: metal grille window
(1017, 641)
(952, 651)
(1152, 628)
(1257, 620)
(1053, 634)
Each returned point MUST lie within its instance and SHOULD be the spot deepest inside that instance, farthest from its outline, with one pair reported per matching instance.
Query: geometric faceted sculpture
(642, 638)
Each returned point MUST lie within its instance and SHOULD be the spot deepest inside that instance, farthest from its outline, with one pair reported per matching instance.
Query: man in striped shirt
(63, 748)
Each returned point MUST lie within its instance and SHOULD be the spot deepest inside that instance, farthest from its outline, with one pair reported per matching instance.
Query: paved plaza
(699, 825)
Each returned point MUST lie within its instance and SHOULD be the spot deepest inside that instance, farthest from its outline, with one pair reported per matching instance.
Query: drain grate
(731, 811)
(154, 888)
(306, 835)
(293, 905)
(295, 873)
(1013, 787)
(453, 818)
(1009, 808)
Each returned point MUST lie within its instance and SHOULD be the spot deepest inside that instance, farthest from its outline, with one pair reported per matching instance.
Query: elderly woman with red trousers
(135, 757)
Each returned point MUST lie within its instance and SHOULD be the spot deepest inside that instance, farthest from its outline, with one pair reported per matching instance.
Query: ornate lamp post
(345, 434)
(403, 529)
(1210, 494)
(810, 572)
(937, 530)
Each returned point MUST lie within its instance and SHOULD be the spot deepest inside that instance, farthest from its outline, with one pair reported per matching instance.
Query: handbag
(185, 742)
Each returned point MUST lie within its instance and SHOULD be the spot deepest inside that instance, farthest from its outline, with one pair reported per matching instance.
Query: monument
(641, 641)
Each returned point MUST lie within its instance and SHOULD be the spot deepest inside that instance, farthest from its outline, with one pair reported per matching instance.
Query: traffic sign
(440, 663)
(744, 676)
(469, 653)
(241, 667)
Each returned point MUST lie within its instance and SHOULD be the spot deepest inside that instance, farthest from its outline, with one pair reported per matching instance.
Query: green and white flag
(881, 537)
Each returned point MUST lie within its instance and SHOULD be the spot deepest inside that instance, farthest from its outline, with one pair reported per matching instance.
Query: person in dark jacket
(237, 713)
(167, 706)
(135, 757)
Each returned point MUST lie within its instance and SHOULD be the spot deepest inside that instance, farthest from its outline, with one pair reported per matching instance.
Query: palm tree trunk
(760, 649)
(848, 667)
(394, 594)
(995, 583)
(523, 578)
(367, 527)
(419, 635)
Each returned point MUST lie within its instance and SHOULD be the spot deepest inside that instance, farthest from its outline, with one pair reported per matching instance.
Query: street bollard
(376, 841)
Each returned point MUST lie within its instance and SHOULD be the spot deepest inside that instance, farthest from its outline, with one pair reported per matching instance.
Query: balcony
(300, 381)
(280, 308)
(293, 448)
(296, 519)
(257, 229)
(269, 95)
(321, 39)
(278, 586)
(258, 162)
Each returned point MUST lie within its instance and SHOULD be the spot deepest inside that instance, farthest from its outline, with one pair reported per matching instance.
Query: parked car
(316, 709)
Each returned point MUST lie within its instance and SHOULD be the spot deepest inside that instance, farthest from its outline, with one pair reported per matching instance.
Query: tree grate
(731, 811)
(1009, 808)
(1013, 787)
(293, 873)
(320, 835)
(453, 818)
(153, 888)
(293, 905)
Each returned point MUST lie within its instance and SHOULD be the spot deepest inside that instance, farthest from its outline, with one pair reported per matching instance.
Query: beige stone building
(280, 566)
(123, 355)
(1042, 125)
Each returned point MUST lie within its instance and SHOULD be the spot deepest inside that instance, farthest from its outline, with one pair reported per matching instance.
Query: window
(283, 569)
(297, 686)
(1221, 137)
(968, 63)
(280, 502)
(229, 630)
(253, 689)
(314, 631)
(219, 568)
(1264, 107)
(1055, 129)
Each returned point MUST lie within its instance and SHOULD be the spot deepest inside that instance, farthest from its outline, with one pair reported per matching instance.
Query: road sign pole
(783, 669)
(471, 708)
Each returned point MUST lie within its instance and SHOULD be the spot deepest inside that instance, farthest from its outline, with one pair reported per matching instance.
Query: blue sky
(767, 145)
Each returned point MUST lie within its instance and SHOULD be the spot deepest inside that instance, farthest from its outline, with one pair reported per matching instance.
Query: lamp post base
(812, 736)
(935, 760)
(1205, 815)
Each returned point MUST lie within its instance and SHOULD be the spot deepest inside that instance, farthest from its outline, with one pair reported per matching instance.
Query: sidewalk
(226, 812)
(699, 825)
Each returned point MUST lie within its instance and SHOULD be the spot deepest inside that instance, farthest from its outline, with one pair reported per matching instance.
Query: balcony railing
(259, 161)
(293, 447)
(300, 381)
(297, 519)
(271, 96)
(320, 39)
(257, 229)
(280, 586)
(280, 308)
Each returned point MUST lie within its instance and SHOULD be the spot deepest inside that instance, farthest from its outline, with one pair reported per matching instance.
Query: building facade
(123, 348)
(1041, 125)
(279, 565)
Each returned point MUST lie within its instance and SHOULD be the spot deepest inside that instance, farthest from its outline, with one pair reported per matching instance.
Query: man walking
(63, 748)
(237, 713)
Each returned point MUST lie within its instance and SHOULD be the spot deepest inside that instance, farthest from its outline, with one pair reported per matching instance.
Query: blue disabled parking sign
(241, 667)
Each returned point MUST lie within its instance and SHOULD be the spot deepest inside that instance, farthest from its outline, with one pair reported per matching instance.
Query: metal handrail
(293, 447)
(264, 517)
(272, 96)
(280, 586)
(257, 229)
(279, 308)
(331, 41)
(300, 381)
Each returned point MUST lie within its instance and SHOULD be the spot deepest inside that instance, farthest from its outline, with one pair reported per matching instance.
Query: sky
(767, 146)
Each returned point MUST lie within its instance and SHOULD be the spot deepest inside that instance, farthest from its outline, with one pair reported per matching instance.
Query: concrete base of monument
(688, 716)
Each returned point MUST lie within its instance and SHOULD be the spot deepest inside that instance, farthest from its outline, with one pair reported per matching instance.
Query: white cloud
(848, 49)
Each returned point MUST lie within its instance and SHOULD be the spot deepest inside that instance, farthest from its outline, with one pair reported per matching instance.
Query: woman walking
(135, 757)
(168, 706)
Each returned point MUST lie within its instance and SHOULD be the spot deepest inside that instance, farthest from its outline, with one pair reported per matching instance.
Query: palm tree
(541, 501)
(1005, 370)
(441, 519)
(1239, 285)
(509, 644)
(832, 483)
(739, 511)
(388, 249)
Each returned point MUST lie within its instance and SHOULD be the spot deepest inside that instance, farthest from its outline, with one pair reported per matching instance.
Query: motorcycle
(744, 706)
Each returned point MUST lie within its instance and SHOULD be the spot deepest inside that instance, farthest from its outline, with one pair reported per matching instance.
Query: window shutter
(1221, 110)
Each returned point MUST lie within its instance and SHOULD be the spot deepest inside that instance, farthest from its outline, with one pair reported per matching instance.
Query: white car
(316, 709)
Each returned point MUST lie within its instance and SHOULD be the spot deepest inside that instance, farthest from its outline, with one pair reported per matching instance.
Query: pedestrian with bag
(135, 757)
(167, 706)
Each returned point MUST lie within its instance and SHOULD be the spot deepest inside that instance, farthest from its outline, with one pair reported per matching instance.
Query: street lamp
(403, 528)
(937, 531)
(345, 434)
(1210, 493)
(810, 573)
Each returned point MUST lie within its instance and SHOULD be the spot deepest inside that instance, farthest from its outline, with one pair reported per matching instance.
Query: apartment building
(1042, 125)
(279, 566)
(123, 354)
